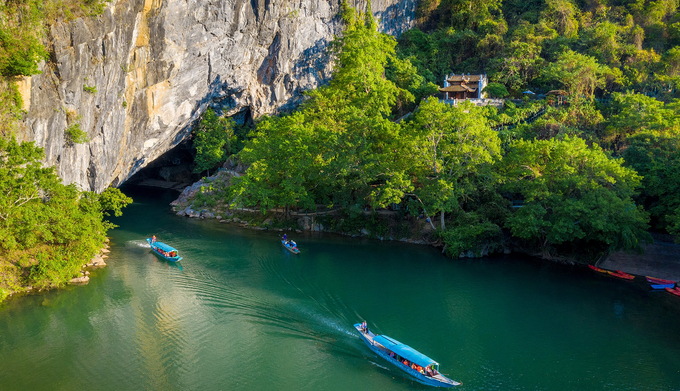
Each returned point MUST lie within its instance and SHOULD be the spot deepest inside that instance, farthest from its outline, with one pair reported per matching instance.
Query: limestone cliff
(137, 77)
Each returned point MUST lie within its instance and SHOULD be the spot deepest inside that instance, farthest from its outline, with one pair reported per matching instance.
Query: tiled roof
(458, 88)
(465, 78)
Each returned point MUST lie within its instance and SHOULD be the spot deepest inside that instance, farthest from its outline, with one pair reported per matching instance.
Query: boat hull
(294, 251)
(620, 274)
(675, 291)
(662, 286)
(658, 281)
(155, 251)
(430, 381)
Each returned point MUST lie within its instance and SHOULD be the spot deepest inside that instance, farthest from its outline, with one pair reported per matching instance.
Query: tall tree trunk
(443, 226)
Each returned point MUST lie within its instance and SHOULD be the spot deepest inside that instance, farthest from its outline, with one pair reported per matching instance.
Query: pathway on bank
(661, 259)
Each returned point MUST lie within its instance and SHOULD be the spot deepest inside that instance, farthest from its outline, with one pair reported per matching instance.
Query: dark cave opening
(172, 170)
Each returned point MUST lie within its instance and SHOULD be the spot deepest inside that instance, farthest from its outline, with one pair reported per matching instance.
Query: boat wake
(138, 243)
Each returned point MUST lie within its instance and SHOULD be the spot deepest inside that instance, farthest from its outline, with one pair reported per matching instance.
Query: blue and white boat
(163, 250)
(290, 246)
(396, 353)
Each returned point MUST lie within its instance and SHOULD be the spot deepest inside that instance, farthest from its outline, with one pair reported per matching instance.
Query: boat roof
(164, 246)
(404, 351)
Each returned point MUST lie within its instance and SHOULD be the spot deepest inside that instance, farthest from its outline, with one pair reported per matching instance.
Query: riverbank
(660, 259)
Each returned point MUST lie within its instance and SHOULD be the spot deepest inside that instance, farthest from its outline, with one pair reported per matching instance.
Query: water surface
(242, 313)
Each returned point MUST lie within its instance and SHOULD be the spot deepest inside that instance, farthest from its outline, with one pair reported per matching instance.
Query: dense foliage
(349, 147)
(582, 46)
(48, 230)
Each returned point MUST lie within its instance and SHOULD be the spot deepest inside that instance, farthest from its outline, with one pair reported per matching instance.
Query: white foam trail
(138, 243)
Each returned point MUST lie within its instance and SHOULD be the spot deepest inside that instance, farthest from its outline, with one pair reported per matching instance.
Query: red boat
(621, 274)
(597, 269)
(675, 291)
(658, 281)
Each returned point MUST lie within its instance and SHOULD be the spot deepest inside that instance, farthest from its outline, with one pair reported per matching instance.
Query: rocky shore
(95, 262)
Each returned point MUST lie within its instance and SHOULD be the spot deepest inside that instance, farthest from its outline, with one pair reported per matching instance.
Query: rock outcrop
(137, 77)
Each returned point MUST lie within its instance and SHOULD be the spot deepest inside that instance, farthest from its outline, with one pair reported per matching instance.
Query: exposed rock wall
(138, 76)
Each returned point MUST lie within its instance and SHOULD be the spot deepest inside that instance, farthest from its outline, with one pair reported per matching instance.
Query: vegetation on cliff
(23, 36)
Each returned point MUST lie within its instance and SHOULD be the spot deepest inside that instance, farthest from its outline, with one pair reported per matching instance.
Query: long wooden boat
(597, 269)
(164, 251)
(675, 291)
(621, 274)
(290, 246)
(653, 280)
(397, 353)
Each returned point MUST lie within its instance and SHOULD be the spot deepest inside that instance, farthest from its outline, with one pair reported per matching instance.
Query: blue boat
(290, 246)
(397, 353)
(163, 250)
(662, 286)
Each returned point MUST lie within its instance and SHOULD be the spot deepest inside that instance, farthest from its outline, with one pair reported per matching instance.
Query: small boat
(396, 353)
(597, 269)
(621, 274)
(290, 246)
(653, 280)
(675, 291)
(661, 286)
(163, 250)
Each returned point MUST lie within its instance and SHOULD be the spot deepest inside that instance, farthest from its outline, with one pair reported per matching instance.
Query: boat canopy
(404, 351)
(163, 247)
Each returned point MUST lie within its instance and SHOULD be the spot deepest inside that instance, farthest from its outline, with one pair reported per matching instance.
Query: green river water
(242, 313)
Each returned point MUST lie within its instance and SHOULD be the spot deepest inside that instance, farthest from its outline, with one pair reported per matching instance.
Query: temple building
(464, 86)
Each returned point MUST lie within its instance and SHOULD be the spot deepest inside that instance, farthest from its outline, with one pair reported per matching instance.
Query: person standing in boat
(153, 239)
(364, 327)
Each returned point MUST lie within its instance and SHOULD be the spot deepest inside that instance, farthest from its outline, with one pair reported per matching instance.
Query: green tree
(453, 152)
(47, 229)
(496, 90)
(654, 155)
(212, 141)
(575, 196)
(578, 73)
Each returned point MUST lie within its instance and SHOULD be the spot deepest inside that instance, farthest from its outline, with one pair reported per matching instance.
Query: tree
(654, 155)
(496, 90)
(575, 196)
(562, 15)
(637, 112)
(212, 140)
(47, 229)
(453, 152)
(578, 73)
(340, 147)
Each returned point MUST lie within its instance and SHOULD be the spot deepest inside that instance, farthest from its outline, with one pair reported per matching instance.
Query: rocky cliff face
(137, 77)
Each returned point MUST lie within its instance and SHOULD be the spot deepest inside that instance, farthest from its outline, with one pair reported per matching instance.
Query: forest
(593, 175)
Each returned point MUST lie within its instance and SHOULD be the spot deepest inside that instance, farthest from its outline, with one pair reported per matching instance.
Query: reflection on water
(240, 312)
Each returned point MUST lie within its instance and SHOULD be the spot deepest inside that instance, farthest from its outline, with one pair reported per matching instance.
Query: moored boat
(163, 250)
(675, 291)
(290, 246)
(653, 280)
(422, 368)
(597, 269)
(661, 286)
(621, 274)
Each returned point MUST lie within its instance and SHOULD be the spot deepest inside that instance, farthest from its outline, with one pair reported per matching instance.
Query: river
(242, 313)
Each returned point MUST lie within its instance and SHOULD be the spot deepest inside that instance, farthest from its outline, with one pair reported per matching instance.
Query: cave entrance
(172, 170)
